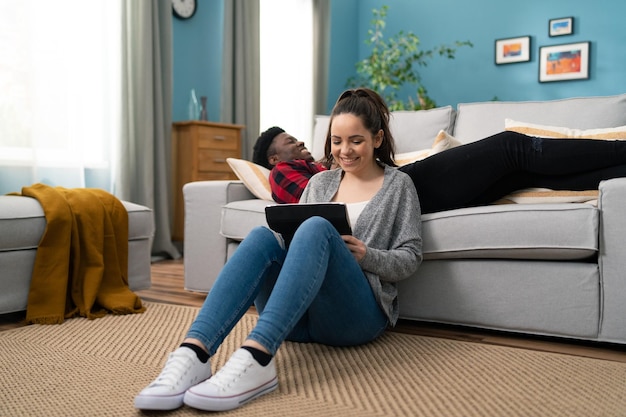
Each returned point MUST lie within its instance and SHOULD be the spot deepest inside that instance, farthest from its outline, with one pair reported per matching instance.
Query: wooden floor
(167, 287)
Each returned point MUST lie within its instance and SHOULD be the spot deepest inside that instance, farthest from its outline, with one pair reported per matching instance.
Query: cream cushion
(547, 196)
(532, 129)
(255, 177)
(442, 142)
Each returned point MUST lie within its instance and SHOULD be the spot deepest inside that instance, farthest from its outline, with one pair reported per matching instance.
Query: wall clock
(184, 9)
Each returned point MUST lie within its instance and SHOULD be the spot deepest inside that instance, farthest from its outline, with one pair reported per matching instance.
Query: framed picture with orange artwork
(512, 50)
(564, 62)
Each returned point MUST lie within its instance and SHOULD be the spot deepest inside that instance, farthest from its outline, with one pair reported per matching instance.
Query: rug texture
(95, 367)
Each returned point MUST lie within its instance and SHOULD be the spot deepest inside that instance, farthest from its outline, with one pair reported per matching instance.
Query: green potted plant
(394, 63)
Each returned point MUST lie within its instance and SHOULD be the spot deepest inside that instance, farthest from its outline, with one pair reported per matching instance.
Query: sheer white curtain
(286, 45)
(59, 84)
(85, 100)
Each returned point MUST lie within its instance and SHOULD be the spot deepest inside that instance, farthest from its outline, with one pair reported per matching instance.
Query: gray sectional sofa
(556, 269)
(22, 224)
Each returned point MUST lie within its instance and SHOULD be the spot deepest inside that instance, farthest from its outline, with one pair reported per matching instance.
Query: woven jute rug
(95, 368)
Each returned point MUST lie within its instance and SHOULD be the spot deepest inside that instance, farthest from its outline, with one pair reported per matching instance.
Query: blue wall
(472, 76)
(198, 58)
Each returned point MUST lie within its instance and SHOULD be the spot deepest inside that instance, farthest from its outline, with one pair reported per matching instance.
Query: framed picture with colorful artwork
(561, 26)
(511, 50)
(564, 62)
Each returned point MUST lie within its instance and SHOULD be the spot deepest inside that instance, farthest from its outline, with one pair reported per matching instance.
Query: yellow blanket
(81, 266)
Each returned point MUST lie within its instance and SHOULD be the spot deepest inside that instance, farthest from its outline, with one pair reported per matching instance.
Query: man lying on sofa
(290, 162)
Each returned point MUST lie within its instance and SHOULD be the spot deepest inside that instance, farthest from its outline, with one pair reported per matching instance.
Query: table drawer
(214, 160)
(217, 138)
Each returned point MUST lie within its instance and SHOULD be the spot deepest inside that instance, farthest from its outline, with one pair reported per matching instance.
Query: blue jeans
(312, 291)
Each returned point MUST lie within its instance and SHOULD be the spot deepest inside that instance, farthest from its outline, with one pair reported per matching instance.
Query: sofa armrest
(612, 259)
(205, 251)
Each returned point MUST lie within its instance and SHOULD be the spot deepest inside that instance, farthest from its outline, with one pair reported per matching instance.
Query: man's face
(287, 148)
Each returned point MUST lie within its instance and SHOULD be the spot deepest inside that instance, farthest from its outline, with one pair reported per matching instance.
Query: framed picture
(511, 50)
(564, 62)
(561, 26)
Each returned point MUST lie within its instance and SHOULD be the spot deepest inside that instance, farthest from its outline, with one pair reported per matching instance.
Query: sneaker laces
(176, 366)
(234, 368)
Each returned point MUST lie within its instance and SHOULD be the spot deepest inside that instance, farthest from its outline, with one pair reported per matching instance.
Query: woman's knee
(315, 224)
(262, 237)
(260, 232)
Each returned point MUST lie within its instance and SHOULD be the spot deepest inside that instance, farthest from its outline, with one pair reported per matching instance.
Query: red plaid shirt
(288, 179)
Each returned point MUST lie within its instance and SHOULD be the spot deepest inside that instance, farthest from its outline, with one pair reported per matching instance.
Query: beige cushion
(442, 142)
(255, 177)
(547, 196)
(531, 129)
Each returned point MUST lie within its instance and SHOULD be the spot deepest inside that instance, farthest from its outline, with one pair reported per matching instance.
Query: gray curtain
(321, 54)
(144, 171)
(240, 96)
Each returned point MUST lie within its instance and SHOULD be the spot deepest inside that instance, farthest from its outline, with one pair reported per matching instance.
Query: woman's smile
(347, 161)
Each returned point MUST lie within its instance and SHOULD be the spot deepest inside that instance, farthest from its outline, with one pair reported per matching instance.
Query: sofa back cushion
(475, 121)
(412, 130)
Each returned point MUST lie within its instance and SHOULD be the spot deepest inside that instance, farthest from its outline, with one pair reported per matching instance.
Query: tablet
(286, 218)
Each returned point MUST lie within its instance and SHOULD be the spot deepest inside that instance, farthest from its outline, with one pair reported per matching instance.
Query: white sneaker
(182, 370)
(242, 379)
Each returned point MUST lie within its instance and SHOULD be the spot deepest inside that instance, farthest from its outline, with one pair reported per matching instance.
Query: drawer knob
(219, 160)
(219, 137)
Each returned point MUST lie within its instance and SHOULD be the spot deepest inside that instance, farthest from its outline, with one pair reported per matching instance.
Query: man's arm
(288, 179)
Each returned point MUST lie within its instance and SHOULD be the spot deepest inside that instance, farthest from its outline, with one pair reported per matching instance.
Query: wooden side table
(199, 152)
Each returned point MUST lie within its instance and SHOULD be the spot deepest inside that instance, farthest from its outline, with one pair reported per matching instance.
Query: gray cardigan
(390, 227)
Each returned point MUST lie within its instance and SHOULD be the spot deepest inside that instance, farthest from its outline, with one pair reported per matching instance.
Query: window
(286, 52)
(59, 76)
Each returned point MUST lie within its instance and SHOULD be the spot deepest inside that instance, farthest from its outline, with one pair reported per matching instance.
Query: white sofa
(22, 224)
(551, 269)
